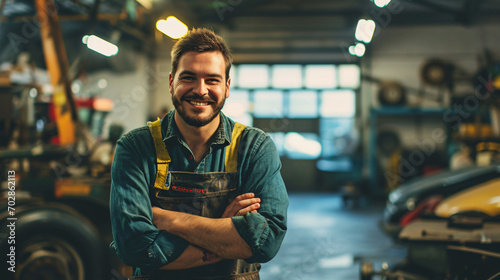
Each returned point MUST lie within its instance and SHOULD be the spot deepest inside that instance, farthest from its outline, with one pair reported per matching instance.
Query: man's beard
(197, 121)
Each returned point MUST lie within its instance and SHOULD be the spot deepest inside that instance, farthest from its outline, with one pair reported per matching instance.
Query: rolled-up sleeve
(137, 241)
(263, 231)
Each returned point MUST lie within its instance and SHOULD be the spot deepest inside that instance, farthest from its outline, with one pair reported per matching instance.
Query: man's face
(199, 87)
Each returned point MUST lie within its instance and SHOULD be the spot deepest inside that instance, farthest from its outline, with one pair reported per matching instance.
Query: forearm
(192, 257)
(216, 235)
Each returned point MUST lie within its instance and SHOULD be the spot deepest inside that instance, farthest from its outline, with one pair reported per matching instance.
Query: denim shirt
(140, 244)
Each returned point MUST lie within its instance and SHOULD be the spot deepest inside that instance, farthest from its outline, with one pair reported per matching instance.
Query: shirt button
(190, 157)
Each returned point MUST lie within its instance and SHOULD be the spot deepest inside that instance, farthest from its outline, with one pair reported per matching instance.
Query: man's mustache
(197, 98)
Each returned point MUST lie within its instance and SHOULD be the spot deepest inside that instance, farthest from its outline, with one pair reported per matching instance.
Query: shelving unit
(375, 114)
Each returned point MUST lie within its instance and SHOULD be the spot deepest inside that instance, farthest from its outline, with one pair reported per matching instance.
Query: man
(197, 196)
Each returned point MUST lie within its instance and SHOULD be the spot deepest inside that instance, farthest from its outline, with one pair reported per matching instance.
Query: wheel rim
(48, 257)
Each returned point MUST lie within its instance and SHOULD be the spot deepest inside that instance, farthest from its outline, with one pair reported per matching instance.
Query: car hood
(420, 185)
(483, 198)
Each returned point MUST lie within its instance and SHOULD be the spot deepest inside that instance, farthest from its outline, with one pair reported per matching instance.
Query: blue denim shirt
(140, 244)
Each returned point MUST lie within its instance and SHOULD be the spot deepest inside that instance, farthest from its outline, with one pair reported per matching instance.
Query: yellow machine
(482, 199)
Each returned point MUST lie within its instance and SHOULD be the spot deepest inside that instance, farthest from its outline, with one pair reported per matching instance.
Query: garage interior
(386, 116)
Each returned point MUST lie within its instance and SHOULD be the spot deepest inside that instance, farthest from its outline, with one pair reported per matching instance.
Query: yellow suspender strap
(231, 160)
(162, 156)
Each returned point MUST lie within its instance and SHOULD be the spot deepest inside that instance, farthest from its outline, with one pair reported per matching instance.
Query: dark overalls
(202, 194)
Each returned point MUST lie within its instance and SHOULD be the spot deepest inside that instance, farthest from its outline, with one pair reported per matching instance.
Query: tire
(392, 94)
(47, 256)
(55, 242)
(436, 73)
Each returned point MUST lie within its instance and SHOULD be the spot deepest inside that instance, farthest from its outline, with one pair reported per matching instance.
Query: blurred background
(386, 116)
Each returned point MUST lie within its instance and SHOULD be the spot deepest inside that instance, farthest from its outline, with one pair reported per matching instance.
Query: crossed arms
(211, 240)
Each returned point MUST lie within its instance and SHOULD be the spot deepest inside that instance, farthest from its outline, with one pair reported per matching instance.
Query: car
(410, 195)
(480, 201)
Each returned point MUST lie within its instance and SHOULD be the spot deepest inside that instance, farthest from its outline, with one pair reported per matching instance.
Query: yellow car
(481, 199)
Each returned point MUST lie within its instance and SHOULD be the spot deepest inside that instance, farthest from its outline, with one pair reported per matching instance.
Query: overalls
(202, 194)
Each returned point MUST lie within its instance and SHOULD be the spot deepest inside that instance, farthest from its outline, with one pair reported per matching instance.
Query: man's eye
(187, 78)
(214, 81)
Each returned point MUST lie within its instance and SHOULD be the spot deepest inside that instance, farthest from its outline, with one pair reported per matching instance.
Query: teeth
(198, 103)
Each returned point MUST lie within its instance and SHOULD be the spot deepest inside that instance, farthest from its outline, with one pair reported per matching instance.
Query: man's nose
(200, 88)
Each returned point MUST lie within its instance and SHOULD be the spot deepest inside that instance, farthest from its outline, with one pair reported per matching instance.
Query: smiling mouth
(198, 103)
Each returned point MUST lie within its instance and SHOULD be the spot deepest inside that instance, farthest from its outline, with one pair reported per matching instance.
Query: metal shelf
(375, 114)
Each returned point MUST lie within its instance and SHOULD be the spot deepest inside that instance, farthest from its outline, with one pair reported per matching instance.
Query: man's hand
(241, 205)
(217, 236)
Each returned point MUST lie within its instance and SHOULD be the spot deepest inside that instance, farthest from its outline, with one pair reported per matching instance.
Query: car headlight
(410, 203)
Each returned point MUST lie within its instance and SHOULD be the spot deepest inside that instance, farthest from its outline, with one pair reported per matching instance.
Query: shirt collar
(170, 130)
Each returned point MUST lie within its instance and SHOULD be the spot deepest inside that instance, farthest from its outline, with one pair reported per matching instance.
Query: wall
(129, 91)
(139, 95)
(161, 96)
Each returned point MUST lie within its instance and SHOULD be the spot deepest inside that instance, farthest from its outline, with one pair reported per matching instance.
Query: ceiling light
(99, 45)
(365, 30)
(172, 27)
(381, 3)
(359, 49)
(351, 50)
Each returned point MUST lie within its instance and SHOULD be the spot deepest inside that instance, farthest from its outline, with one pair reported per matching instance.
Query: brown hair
(201, 40)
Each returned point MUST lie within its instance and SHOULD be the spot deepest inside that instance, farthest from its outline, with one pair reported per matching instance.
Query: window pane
(338, 137)
(279, 141)
(245, 119)
(287, 76)
(321, 76)
(253, 76)
(268, 104)
(232, 74)
(349, 76)
(303, 104)
(302, 145)
(237, 107)
(337, 103)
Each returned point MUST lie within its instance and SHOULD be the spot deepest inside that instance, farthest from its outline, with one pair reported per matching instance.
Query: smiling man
(196, 195)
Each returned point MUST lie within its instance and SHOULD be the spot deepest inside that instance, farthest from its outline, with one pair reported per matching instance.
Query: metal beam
(436, 6)
(82, 17)
(57, 65)
(299, 50)
(471, 10)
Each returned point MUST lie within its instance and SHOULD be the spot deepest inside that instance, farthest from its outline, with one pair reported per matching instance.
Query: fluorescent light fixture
(359, 49)
(99, 45)
(381, 3)
(172, 27)
(365, 30)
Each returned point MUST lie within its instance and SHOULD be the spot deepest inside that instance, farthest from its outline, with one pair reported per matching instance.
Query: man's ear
(228, 85)
(170, 83)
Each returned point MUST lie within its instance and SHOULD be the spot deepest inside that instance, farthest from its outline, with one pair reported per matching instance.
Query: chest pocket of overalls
(202, 194)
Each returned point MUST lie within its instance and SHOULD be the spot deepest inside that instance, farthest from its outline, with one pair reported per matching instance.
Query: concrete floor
(326, 240)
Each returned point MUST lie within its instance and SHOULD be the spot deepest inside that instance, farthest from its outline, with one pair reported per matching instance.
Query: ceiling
(257, 30)
(293, 30)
